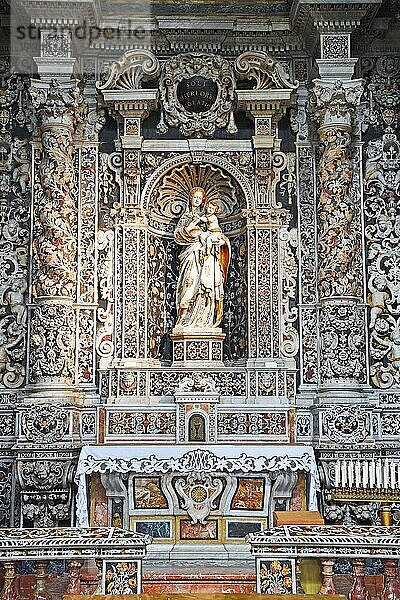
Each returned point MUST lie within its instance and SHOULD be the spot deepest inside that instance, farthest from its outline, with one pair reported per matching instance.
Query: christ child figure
(212, 235)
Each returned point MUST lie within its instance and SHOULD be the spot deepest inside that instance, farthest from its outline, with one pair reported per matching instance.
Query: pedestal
(195, 347)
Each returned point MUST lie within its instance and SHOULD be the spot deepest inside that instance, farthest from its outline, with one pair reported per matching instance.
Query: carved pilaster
(381, 201)
(270, 239)
(124, 94)
(60, 108)
(266, 103)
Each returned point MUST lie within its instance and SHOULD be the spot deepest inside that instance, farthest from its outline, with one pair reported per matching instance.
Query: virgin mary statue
(203, 264)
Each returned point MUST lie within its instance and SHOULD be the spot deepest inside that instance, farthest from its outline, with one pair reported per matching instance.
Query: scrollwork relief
(383, 92)
(16, 114)
(105, 313)
(235, 316)
(342, 354)
(288, 243)
(44, 424)
(46, 491)
(134, 68)
(264, 70)
(156, 297)
(351, 424)
(199, 492)
(52, 343)
(87, 267)
(382, 231)
(382, 186)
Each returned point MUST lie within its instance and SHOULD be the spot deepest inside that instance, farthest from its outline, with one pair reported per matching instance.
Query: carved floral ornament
(349, 425)
(44, 424)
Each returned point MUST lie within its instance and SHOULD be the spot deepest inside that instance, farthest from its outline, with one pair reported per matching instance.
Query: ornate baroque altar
(199, 230)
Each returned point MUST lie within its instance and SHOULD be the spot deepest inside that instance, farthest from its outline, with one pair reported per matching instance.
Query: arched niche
(196, 428)
(164, 199)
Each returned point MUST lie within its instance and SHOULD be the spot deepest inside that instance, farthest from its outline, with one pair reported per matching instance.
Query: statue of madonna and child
(203, 264)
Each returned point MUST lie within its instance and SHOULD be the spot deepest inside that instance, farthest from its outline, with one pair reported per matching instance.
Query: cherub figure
(4, 357)
(16, 301)
(378, 297)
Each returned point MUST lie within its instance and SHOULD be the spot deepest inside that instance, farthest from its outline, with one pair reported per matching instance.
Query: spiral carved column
(340, 272)
(49, 412)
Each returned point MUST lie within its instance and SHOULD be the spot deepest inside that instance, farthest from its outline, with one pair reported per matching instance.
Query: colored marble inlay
(249, 494)
(277, 576)
(198, 531)
(99, 501)
(157, 529)
(134, 423)
(239, 529)
(148, 494)
(252, 424)
(121, 578)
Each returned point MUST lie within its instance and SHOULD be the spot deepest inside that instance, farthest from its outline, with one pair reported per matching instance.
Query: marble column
(49, 412)
(342, 355)
(54, 276)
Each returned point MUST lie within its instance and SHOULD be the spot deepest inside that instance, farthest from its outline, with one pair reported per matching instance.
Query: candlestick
(386, 473)
(344, 474)
(371, 474)
(358, 474)
(392, 475)
(350, 477)
(365, 474)
(337, 474)
(378, 470)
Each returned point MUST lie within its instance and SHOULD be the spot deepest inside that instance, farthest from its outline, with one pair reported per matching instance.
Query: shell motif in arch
(173, 191)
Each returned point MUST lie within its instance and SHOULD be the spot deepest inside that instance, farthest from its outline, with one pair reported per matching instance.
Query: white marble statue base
(194, 347)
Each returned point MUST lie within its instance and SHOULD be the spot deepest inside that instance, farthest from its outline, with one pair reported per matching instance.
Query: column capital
(333, 103)
(58, 103)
